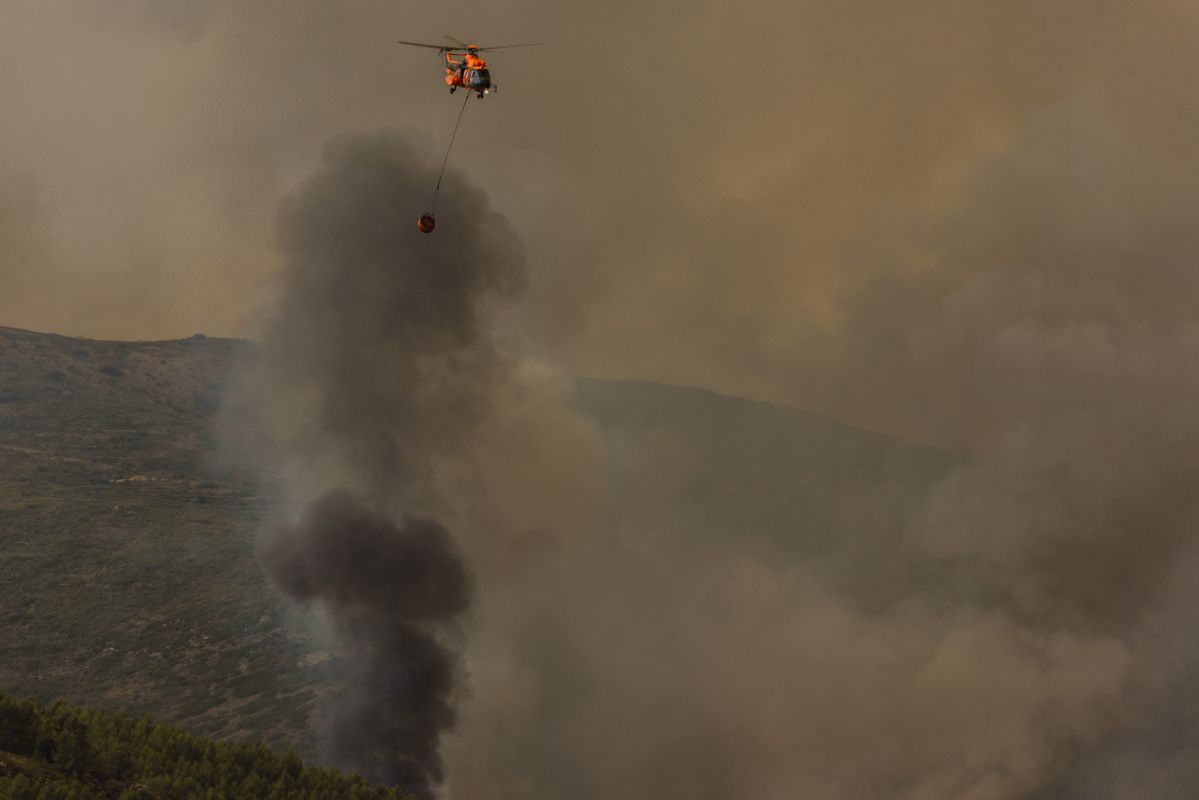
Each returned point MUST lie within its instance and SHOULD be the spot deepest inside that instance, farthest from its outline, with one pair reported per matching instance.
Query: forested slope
(59, 752)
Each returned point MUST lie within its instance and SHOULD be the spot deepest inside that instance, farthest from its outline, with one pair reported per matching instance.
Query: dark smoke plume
(387, 589)
(375, 374)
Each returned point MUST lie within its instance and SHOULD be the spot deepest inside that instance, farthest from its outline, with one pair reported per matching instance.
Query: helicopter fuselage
(472, 80)
(470, 73)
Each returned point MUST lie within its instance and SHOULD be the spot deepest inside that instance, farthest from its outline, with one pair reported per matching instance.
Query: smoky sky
(970, 225)
(741, 187)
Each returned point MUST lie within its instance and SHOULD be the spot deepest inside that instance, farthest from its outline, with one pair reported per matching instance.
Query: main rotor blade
(458, 43)
(510, 46)
(422, 44)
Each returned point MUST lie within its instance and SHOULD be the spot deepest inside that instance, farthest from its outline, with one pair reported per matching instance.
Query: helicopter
(470, 71)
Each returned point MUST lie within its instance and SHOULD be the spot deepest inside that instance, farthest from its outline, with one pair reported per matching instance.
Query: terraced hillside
(127, 577)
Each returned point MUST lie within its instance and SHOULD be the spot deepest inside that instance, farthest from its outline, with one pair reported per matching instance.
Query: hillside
(128, 578)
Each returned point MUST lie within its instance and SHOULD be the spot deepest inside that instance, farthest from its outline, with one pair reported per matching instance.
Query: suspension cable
(446, 160)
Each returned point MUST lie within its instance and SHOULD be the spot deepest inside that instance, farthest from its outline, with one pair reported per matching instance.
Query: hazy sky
(769, 198)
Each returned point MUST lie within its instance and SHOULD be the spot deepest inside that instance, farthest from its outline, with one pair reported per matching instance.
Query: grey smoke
(375, 372)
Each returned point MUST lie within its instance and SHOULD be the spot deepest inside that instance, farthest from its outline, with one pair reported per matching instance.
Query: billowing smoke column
(375, 372)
